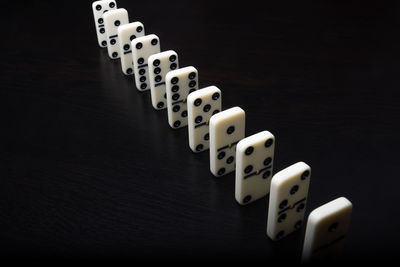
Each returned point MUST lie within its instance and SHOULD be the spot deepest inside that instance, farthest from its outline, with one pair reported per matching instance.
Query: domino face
(227, 128)
(254, 164)
(202, 105)
(287, 201)
(159, 65)
(179, 84)
(112, 20)
(326, 230)
(142, 48)
(99, 8)
(126, 33)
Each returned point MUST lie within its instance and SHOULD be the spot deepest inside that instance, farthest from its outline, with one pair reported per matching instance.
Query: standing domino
(99, 8)
(112, 20)
(159, 65)
(142, 48)
(179, 83)
(227, 128)
(254, 163)
(326, 230)
(287, 200)
(126, 33)
(202, 104)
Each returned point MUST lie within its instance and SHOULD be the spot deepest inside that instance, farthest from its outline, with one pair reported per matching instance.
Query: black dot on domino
(230, 160)
(221, 171)
(117, 23)
(294, 189)
(175, 88)
(142, 78)
(172, 58)
(140, 61)
(158, 78)
(154, 41)
(139, 29)
(207, 108)
(184, 114)
(102, 30)
(267, 161)
(230, 129)
(176, 108)
(249, 150)
(160, 104)
(175, 80)
(132, 37)
(112, 5)
(113, 41)
(100, 21)
(283, 204)
(157, 70)
(266, 174)
(126, 47)
(143, 86)
(156, 62)
(247, 199)
(192, 75)
(199, 147)
(177, 123)
(333, 227)
(215, 96)
(114, 54)
(221, 155)
(173, 66)
(206, 136)
(300, 207)
(248, 169)
(269, 142)
(198, 102)
(142, 71)
(280, 234)
(98, 7)
(215, 111)
(104, 43)
(139, 45)
(129, 71)
(192, 84)
(191, 90)
(298, 224)
(282, 217)
(175, 96)
(305, 175)
(198, 119)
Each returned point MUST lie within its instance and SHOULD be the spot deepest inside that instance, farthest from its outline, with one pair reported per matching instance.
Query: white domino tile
(99, 8)
(254, 165)
(126, 33)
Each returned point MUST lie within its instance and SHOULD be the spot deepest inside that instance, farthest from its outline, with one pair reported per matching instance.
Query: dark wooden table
(90, 170)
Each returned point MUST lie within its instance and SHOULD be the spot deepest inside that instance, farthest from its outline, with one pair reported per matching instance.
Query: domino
(126, 33)
(202, 105)
(112, 20)
(227, 128)
(254, 164)
(142, 48)
(99, 8)
(159, 65)
(327, 227)
(179, 84)
(287, 200)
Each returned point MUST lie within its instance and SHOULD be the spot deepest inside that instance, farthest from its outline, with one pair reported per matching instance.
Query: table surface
(91, 170)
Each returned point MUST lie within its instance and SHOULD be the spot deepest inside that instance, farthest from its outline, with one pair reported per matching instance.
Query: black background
(91, 171)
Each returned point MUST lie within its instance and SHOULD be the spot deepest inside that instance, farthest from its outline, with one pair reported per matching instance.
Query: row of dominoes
(223, 133)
